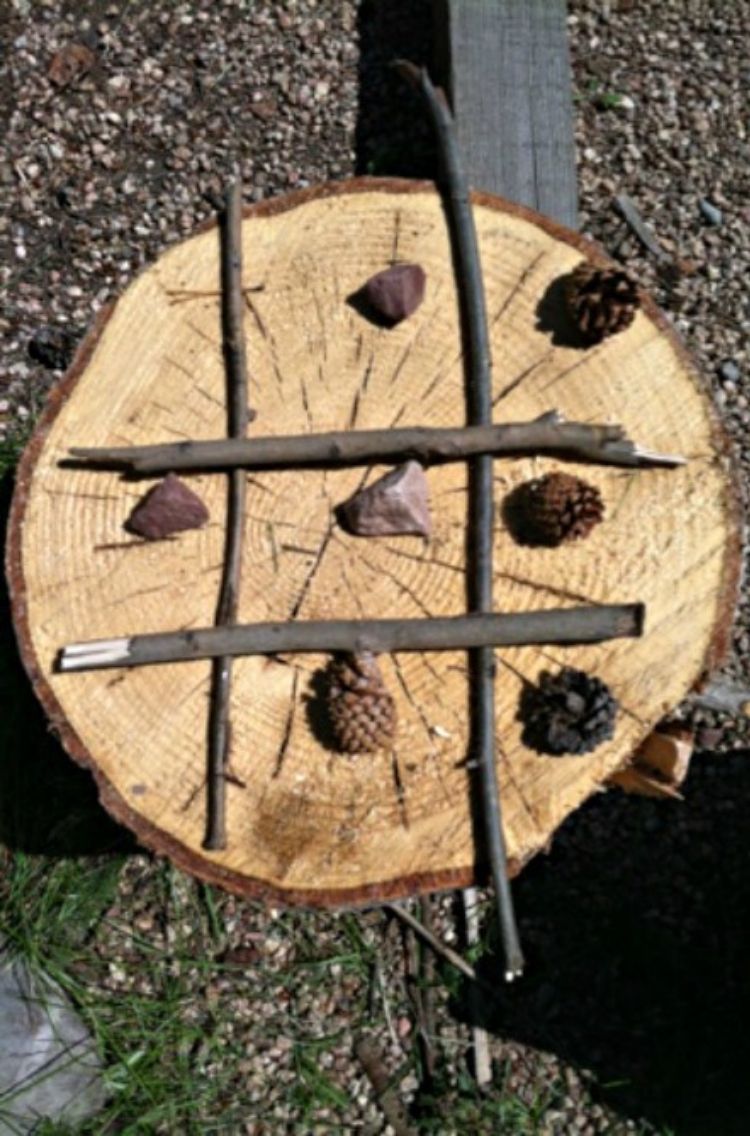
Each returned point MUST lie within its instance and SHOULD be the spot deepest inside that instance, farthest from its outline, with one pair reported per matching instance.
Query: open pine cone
(570, 712)
(556, 508)
(601, 301)
(361, 711)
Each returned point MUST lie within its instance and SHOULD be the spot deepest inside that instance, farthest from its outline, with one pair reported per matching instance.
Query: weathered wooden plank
(506, 67)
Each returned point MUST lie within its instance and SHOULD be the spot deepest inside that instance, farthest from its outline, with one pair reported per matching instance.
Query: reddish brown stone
(396, 292)
(397, 504)
(167, 508)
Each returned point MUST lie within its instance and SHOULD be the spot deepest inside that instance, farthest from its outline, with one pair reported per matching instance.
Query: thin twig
(480, 1040)
(441, 633)
(481, 513)
(237, 418)
(386, 1003)
(548, 434)
(627, 209)
(372, 1062)
(432, 940)
(420, 977)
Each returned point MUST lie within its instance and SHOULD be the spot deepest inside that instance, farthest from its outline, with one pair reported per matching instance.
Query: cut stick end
(89, 656)
(514, 964)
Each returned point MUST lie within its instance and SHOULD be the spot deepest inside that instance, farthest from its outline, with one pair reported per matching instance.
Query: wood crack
(203, 335)
(383, 570)
(519, 284)
(425, 724)
(515, 383)
(289, 725)
(552, 589)
(398, 786)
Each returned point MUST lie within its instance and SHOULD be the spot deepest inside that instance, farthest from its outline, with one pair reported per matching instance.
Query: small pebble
(710, 212)
(729, 371)
(709, 737)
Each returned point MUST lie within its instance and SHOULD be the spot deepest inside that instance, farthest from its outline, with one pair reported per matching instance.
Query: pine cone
(362, 712)
(556, 508)
(602, 301)
(570, 712)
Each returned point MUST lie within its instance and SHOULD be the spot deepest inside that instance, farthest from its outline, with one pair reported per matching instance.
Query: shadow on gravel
(48, 804)
(637, 934)
(393, 137)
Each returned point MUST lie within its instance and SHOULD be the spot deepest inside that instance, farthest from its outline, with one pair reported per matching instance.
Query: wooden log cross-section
(307, 825)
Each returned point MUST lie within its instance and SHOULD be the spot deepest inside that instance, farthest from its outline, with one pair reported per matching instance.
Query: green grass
(55, 914)
(598, 97)
(485, 1113)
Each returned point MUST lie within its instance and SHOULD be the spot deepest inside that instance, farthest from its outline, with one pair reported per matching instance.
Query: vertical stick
(480, 529)
(235, 361)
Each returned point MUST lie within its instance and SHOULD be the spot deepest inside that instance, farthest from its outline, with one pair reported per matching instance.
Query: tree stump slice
(310, 826)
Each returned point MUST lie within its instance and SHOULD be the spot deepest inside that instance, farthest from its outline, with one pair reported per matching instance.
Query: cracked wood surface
(307, 825)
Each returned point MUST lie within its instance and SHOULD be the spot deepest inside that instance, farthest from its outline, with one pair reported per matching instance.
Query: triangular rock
(397, 504)
(167, 508)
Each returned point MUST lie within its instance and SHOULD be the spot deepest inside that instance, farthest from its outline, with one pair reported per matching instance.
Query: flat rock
(397, 504)
(167, 508)
(49, 1065)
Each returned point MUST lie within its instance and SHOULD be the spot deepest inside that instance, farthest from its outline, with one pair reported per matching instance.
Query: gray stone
(49, 1066)
(711, 213)
(729, 371)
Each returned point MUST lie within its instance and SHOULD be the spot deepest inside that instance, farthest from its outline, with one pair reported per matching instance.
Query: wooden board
(312, 827)
(506, 66)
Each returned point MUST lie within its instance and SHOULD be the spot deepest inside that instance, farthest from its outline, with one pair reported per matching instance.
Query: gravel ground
(634, 922)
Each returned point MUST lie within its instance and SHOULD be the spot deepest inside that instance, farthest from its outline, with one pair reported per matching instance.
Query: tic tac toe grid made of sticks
(319, 819)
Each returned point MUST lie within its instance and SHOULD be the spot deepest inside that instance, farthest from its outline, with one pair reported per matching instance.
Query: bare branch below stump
(372, 1062)
(443, 633)
(580, 441)
(479, 1037)
(432, 940)
(237, 419)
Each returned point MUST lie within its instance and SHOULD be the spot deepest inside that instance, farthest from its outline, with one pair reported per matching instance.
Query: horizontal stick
(548, 434)
(447, 633)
